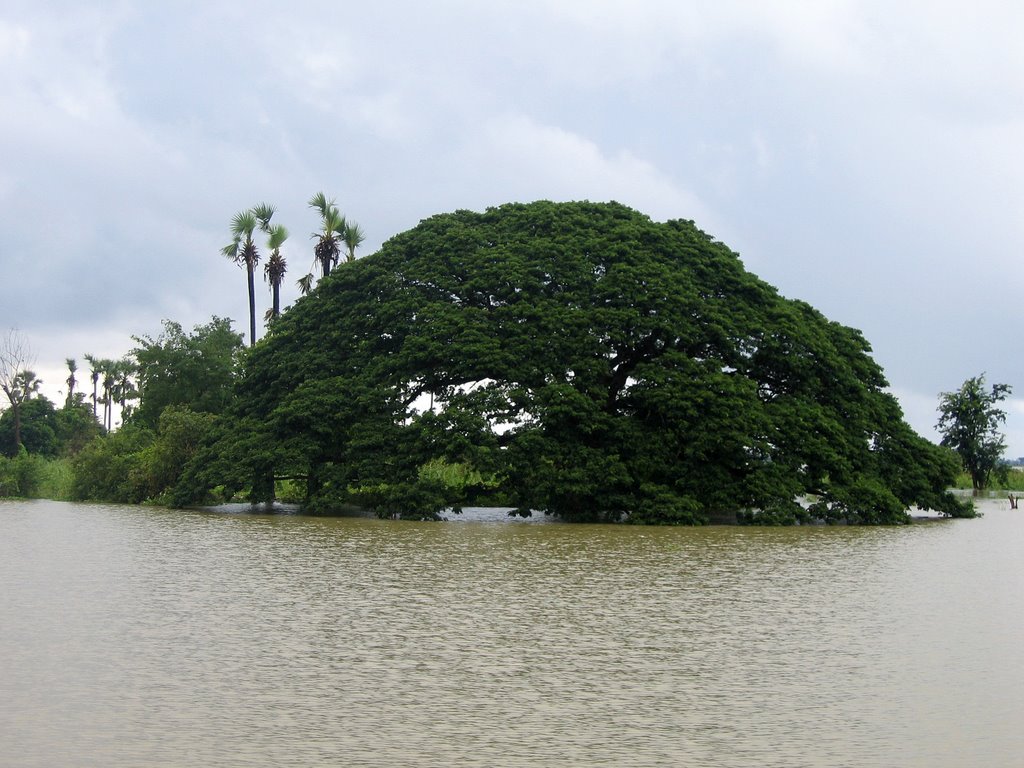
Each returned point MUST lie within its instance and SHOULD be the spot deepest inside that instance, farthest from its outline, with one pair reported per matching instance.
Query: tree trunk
(16, 407)
(252, 305)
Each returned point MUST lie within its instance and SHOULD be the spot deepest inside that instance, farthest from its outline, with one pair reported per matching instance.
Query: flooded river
(133, 636)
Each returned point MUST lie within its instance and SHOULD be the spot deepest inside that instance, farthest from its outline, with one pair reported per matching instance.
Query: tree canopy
(577, 359)
(969, 420)
(194, 369)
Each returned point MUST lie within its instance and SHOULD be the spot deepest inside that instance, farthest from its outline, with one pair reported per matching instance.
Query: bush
(110, 468)
(21, 476)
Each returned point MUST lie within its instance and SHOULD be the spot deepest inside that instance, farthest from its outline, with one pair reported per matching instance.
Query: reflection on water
(149, 637)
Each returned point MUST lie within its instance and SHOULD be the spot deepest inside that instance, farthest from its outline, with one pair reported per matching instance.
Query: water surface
(134, 636)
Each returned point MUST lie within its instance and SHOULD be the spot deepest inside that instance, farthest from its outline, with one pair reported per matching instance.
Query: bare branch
(15, 357)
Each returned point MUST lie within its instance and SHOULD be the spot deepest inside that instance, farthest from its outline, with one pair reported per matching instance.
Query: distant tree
(71, 381)
(969, 422)
(242, 250)
(28, 383)
(36, 431)
(191, 369)
(15, 357)
(276, 266)
(108, 373)
(353, 237)
(124, 389)
(94, 376)
(76, 426)
(332, 230)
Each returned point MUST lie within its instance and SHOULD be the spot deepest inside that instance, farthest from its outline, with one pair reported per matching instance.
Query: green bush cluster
(137, 464)
(22, 475)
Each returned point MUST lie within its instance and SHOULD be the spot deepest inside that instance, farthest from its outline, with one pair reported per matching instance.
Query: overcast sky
(866, 157)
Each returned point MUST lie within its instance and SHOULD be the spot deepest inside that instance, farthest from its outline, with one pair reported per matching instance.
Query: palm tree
(242, 250)
(26, 384)
(94, 367)
(275, 267)
(71, 380)
(123, 389)
(108, 369)
(333, 228)
(353, 237)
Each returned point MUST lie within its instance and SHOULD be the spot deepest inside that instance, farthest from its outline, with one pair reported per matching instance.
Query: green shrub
(110, 468)
(21, 476)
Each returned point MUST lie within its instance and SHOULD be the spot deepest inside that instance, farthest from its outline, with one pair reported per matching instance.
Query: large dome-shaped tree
(577, 359)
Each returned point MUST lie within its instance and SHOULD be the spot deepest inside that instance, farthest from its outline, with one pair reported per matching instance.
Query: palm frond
(334, 222)
(278, 235)
(264, 212)
(353, 237)
(243, 223)
(321, 203)
(231, 250)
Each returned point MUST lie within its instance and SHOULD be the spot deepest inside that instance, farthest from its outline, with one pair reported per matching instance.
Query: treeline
(180, 382)
(573, 359)
(167, 390)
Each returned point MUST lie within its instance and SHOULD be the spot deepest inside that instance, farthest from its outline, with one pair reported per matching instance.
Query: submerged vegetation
(572, 359)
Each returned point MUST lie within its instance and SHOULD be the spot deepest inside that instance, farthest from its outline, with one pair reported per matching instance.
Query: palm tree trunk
(252, 305)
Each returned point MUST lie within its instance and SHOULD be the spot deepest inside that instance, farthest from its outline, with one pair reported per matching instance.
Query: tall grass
(33, 477)
(56, 477)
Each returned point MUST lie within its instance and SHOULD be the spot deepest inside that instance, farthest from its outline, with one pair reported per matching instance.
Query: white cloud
(14, 41)
(920, 410)
(521, 159)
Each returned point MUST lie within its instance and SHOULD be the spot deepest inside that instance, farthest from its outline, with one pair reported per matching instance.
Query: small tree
(188, 369)
(969, 422)
(15, 357)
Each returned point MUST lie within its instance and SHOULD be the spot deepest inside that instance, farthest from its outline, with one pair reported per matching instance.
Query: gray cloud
(860, 156)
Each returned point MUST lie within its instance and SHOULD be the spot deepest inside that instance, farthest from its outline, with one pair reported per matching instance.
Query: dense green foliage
(135, 463)
(38, 429)
(47, 431)
(577, 359)
(193, 369)
(21, 475)
(969, 421)
(185, 380)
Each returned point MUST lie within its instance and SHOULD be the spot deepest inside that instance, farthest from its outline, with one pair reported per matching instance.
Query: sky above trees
(862, 156)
